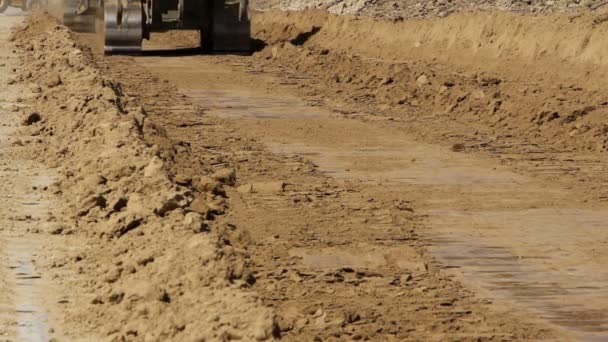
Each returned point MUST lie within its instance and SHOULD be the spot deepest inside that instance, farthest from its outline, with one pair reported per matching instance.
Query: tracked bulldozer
(25, 5)
(224, 25)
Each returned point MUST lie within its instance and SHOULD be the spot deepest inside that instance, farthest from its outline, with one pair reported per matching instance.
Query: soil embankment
(504, 74)
(147, 261)
(23, 210)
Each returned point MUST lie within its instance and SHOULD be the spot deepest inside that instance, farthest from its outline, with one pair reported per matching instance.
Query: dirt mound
(154, 266)
(408, 9)
(509, 74)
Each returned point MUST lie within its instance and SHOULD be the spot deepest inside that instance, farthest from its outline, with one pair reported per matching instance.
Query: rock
(422, 80)
(183, 179)
(170, 204)
(225, 176)
(53, 80)
(199, 205)
(10, 81)
(208, 184)
(216, 207)
(154, 168)
(195, 222)
(32, 119)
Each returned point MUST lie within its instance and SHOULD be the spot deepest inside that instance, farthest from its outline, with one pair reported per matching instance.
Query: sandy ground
(24, 210)
(470, 203)
(398, 187)
(134, 246)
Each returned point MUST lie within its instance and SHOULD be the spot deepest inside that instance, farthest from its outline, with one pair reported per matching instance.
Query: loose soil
(353, 180)
(27, 294)
(409, 9)
(145, 260)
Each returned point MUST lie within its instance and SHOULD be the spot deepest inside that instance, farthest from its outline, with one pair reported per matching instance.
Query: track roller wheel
(123, 21)
(4, 5)
(228, 29)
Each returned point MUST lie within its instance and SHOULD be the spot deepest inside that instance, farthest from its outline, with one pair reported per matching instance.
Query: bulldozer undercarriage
(224, 24)
(24, 5)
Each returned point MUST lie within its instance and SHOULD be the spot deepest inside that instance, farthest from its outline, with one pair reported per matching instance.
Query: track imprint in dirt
(497, 228)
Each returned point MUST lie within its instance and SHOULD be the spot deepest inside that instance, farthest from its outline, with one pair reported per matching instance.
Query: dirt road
(516, 237)
(302, 183)
(346, 212)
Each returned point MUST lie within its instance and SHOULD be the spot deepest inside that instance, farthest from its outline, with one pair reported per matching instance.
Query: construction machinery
(224, 25)
(25, 5)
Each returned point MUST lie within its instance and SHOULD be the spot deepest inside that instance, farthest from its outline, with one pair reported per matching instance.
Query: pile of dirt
(408, 9)
(498, 73)
(154, 267)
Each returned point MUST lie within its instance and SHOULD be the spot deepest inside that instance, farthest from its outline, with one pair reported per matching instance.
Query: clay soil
(356, 178)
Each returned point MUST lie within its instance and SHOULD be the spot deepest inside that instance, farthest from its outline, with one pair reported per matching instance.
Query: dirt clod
(52, 80)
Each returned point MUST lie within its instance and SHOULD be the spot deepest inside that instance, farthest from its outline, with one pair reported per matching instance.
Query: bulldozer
(224, 25)
(24, 5)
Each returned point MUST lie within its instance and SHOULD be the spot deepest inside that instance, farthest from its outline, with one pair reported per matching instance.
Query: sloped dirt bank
(500, 74)
(147, 261)
(532, 103)
(407, 9)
